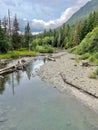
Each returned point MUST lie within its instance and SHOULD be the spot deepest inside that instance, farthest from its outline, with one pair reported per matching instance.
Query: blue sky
(42, 13)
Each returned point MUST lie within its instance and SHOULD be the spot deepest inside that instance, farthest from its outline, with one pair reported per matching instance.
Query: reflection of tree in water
(28, 70)
(45, 60)
(2, 86)
(3, 82)
(11, 79)
(15, 80)
(18, 77)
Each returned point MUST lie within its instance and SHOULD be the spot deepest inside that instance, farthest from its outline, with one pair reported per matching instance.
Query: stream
(29, 103)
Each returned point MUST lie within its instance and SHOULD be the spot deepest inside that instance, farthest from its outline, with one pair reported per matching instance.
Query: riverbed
(29, 103)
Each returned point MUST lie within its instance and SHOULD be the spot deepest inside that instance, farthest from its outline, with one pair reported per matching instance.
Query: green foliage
(94, 57)
(43, 45)
(85, 56)
(44, 49)
(36, 42)
(22, 49)
(97, 71)
(94, 74)
(47, 40)
(4, 42)
(27, 36)
(15, 35)
(89, 44)
(16, 54)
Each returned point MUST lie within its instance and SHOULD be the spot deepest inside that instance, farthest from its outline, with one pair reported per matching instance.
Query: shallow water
(28, 103)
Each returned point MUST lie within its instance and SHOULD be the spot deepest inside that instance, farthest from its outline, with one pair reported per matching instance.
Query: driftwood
(86, 64)
(77, 87)
(13, 68)
(50, 58)
(7, 70)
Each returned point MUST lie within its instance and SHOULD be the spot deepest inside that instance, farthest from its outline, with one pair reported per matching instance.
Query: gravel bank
(76, 74)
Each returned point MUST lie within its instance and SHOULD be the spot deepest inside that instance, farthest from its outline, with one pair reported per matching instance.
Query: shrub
(85, 56)
(22, 49)
(44, 49)
(93, 75)
(89, 44)
(97, 71)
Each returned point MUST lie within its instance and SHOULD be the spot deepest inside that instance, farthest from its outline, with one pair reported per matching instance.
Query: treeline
(68, 36)
(10, 36)
(12, 39)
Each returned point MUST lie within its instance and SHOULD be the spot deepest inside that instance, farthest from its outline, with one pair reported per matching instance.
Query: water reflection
(28, 69)
(14, 78)
(36, 105)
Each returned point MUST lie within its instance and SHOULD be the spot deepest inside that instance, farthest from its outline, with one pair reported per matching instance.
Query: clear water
(28, 103)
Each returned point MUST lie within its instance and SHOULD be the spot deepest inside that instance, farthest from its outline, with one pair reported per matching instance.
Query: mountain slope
(89, 43)
(84, 12)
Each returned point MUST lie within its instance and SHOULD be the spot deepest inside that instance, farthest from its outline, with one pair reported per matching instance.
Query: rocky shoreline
(74, 73)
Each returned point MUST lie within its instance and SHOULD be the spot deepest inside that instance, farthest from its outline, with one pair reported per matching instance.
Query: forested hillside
(68, 36)
(84, 12)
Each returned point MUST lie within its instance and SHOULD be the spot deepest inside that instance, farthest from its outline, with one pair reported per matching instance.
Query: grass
(92, 57)
(94, 74)
(16, 54)
(85, 56)
(77, 59)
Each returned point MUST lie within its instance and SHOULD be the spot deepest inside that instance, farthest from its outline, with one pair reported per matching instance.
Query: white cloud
(82, 2)
(41, 24)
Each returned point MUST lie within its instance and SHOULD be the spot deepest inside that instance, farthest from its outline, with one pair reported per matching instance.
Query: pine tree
(15, 34)
(4, 44)
(27, 36)
(0, 23)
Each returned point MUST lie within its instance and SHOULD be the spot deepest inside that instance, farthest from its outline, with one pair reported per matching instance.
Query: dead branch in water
(77, 87)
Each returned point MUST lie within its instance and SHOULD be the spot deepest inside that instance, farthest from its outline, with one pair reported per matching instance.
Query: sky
(42, 14)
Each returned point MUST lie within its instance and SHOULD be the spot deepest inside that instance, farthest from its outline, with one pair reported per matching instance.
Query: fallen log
(77, 87)
(7, 68)
(13, 68)
(10, 70)
(52, 59)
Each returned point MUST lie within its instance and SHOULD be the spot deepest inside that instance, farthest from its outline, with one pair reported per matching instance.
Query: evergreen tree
(0, 23)
(4, 44)
(15, 34)
(27, 36)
